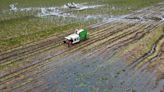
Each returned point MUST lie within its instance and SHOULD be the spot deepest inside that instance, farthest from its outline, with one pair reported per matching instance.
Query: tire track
(29, 49)
(48, 48)
(152, 51)
(97, 34)
(113, 38)
(145, 58)
(57, 42)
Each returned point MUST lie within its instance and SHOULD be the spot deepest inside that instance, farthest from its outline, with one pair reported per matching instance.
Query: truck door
(76, 40)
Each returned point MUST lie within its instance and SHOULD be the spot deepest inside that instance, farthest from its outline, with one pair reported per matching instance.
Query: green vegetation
(23, 27)
(35, 36)
(25, 3)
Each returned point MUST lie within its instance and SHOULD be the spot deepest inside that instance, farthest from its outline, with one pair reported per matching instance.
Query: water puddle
(82, 6)
(63, 11)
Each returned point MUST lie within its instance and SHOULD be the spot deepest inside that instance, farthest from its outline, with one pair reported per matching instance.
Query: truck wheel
(69, 44)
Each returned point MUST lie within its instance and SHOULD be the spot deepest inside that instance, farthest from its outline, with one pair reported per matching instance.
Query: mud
(99, 64)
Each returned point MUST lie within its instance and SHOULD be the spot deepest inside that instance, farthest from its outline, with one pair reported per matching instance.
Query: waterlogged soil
(124, 54)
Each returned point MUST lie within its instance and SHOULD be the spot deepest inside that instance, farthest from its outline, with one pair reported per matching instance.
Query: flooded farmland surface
(123, 54)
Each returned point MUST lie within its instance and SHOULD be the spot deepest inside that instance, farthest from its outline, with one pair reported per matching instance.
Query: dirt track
(116, 58)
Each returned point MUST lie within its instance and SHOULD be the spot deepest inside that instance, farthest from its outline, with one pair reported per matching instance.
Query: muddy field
(123, 54)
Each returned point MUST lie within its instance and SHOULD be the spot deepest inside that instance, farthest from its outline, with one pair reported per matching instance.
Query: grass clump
(24, 39)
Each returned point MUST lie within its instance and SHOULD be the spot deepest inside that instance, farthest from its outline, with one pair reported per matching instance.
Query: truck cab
(72, 39)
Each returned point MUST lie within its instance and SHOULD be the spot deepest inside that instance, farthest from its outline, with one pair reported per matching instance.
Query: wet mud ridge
(122, 55)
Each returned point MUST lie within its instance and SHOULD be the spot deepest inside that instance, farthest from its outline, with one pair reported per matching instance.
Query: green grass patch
(6, 44)
(23, 26)
(23, 39)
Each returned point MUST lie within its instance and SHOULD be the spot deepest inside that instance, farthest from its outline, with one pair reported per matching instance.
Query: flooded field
(123, 54)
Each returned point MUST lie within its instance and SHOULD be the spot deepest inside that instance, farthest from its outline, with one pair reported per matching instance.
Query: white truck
(76, 37)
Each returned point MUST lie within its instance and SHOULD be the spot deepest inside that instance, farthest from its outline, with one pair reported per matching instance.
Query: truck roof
(80, 30)
(73, 36)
